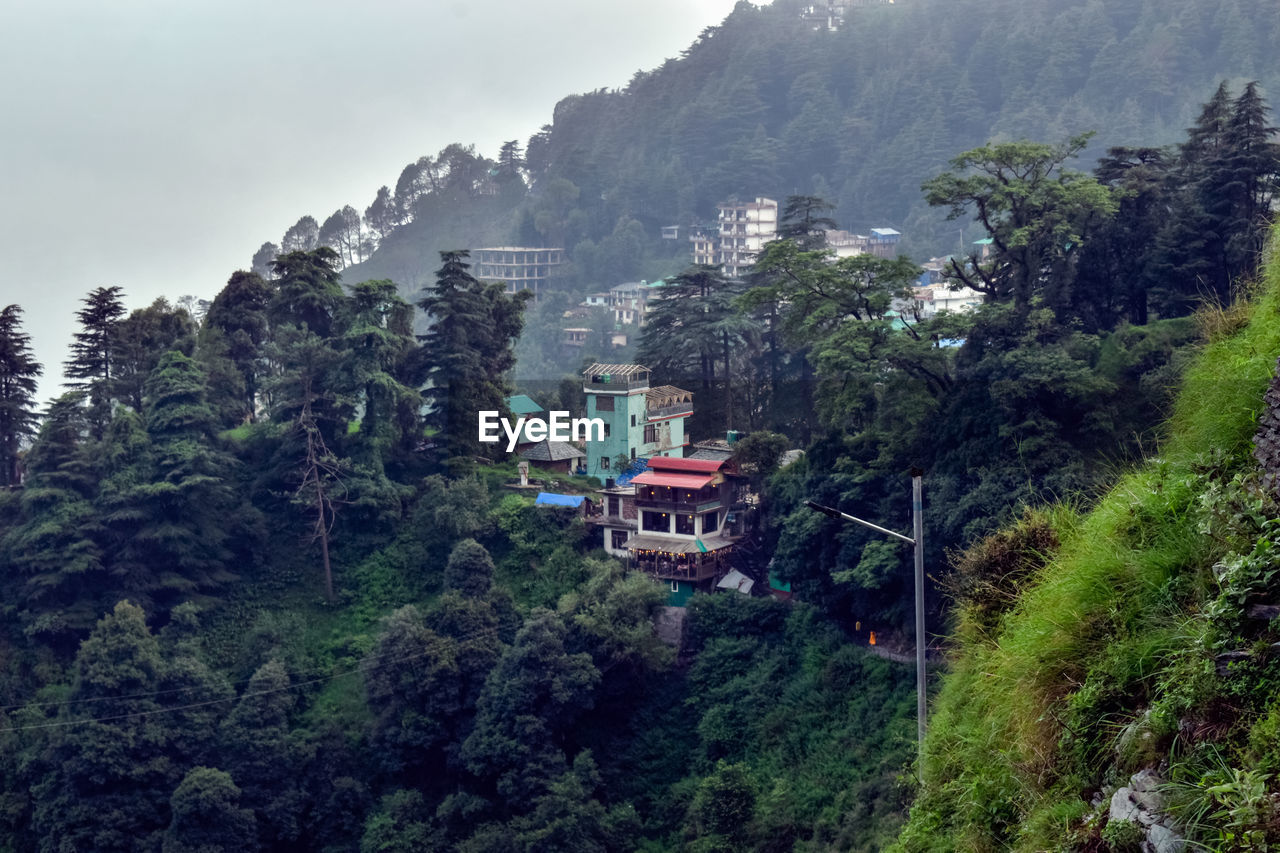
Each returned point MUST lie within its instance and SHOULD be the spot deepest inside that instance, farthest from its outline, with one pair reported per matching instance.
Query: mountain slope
(1138, 647)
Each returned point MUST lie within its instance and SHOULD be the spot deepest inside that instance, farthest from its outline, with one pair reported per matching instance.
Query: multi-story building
(522, 268)
(881, 242)
(639, 422)
(743, 230)
(687, 515)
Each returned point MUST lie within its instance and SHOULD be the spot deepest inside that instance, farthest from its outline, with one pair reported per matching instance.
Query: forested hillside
(1114, 679)
(764, 105)
(262, 588)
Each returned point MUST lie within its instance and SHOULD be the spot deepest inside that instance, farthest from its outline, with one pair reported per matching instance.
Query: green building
(639, 422)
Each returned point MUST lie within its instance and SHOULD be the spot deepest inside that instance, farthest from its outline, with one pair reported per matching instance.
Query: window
(615, 507)
(604, 462)
(710, 522)
(606, 430)
(633, 453)
(684, 524)
(655, 522)
(675, 586)
(604, 404)
(618, 539)
(633, 420)
(650, 433)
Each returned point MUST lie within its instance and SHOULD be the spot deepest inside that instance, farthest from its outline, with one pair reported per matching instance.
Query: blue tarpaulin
(552, 499)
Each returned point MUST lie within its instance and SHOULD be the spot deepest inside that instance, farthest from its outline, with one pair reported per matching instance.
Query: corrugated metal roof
(615, 369)
(736, 580)
(523, 404)
(552, 499)
(675, 481)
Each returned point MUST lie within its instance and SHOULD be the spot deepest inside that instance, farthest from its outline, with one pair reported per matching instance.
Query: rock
(1145, 780)
(1265, 611)
(1123, 807)
(1145, 785)
(1223, 661)
(1162, 839)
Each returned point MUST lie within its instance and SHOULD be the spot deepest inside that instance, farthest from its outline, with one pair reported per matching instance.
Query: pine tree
(257, 751)
(307, 293)
(377, 338)
(468, 350)
(239, 314)
(110, 772)
(54, 549)
(165, 500)
(18, 373)
(94, 350)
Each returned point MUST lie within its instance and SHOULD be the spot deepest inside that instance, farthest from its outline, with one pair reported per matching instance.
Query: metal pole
(917, 518)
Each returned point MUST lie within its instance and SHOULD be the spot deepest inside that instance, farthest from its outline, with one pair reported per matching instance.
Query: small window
(604, 462)
(604, 404)
(618, 539)
(633, 420)
(650, 433)
(675, 586)
(633, 454)
(606, 430)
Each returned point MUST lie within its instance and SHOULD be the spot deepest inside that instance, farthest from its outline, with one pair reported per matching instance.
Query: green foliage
(467, 351)
(207, 817)
(18, 373)
(1126, 615)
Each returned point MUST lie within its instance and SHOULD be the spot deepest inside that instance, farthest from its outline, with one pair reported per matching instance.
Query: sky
(156, 145)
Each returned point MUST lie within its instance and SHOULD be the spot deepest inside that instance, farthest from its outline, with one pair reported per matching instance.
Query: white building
(743, 230)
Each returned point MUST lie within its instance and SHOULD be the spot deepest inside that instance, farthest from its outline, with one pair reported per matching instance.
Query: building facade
(522, 268)
(743, 229)
(639, 422)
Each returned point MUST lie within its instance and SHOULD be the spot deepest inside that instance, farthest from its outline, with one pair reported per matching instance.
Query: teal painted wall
(622, 435)
(679, 596)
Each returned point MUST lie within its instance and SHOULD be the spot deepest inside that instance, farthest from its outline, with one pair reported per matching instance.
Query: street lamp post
(917, 541)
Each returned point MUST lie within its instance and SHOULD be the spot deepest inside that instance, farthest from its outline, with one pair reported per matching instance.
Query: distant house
(640, 422)
(881, 242)
(554, 456)
(743, 230)
(689, 514)
(521, 267)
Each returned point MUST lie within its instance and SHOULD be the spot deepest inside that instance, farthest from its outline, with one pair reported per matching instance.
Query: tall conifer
(18, 372)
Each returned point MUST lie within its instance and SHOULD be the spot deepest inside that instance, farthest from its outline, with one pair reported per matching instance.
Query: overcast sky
(157, 145)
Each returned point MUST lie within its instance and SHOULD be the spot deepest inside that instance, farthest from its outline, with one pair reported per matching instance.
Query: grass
(1026, 721)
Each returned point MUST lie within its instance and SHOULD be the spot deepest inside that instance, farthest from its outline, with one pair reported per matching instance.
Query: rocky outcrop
(1141, 804)
(1266, 441)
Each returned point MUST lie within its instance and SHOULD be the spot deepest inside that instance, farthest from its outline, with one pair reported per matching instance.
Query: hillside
(1131, 680)
(764, 105)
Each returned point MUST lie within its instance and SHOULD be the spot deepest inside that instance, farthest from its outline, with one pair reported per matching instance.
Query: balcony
(661, 413)
(681, 568)
(618, 384)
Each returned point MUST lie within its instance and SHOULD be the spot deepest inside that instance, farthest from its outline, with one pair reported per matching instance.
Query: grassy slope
(1026, 724)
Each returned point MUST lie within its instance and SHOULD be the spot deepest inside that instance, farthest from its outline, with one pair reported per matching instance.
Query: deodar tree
(18, 373)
